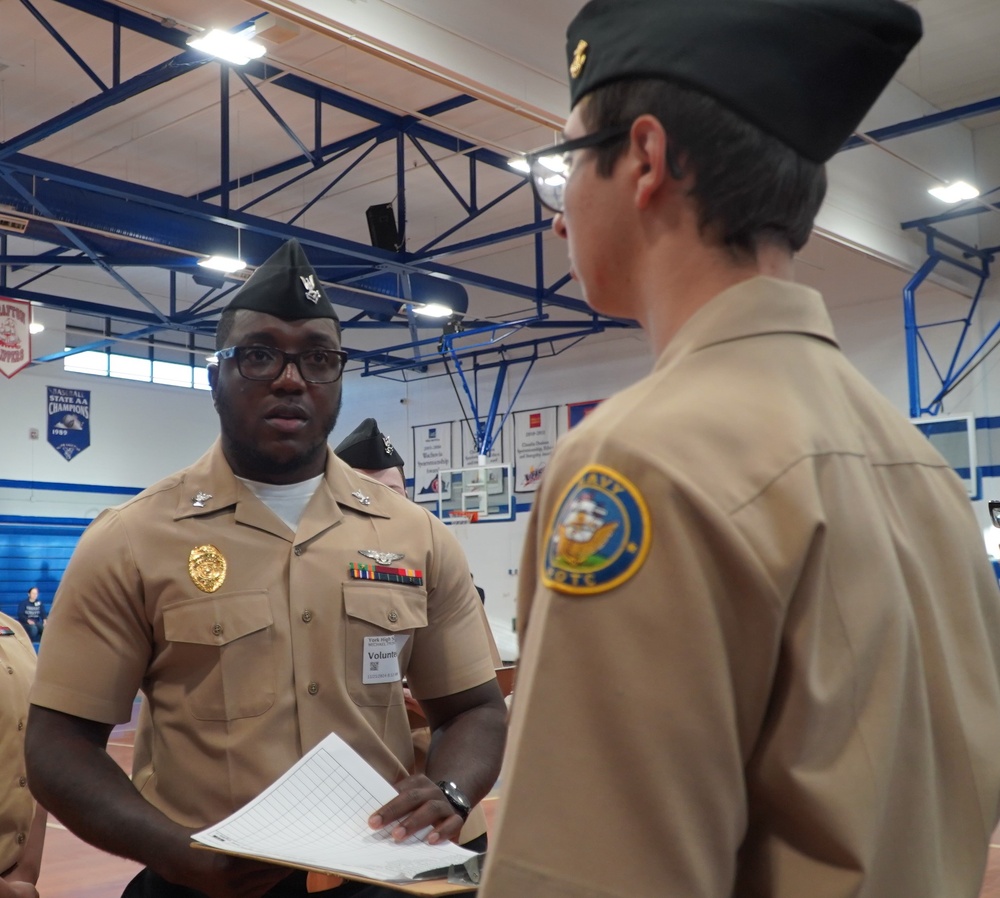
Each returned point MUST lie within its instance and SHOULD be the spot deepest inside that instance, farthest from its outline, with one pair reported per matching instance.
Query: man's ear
(213, 378)
(648, 150)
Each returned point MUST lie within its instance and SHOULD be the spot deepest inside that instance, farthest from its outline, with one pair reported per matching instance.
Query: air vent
(13, 223)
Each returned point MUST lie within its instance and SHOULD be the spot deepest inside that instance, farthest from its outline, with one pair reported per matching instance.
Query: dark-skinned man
(226, 594)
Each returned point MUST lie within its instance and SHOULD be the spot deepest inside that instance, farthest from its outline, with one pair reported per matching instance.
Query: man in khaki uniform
(232, 594)
(22, 821)
(370, 452)
(762, 646)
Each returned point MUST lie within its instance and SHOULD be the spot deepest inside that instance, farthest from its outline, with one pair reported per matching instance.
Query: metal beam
(925, 123)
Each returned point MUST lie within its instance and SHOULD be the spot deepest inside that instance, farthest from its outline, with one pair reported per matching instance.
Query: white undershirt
(286, 500)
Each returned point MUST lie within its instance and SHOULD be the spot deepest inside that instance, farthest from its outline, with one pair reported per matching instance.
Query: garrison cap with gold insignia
(285, 286)
(803, 71)
(368, 448)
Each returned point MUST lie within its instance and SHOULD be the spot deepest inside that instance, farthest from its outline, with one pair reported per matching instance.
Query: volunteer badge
(600, 535)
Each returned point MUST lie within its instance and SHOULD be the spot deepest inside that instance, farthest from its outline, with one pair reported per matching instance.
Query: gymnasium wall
(142, 432)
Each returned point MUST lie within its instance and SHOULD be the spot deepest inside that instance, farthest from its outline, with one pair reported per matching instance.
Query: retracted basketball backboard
(954, 436)
(479, 493)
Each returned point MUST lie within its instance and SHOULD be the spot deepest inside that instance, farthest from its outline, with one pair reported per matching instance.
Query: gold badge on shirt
(600, 535)
(207, 568)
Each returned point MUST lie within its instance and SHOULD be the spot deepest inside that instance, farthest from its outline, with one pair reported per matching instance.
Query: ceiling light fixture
(226, 264)
(955, 192)
(238, 49)
(434, 310)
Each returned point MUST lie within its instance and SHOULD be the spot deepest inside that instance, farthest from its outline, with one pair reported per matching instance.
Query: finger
(321, 882)
(411, 796)
(438, 815)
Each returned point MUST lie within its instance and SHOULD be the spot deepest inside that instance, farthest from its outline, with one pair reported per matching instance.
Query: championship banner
(470, 453)
(577, 411)
(15, 337)
(69, 420)
(431, 454)
(534, 440)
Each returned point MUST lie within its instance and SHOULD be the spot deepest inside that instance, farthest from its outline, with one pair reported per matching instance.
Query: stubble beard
(268, 467)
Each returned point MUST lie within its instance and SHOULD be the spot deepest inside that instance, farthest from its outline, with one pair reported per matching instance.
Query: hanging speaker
(382, 227)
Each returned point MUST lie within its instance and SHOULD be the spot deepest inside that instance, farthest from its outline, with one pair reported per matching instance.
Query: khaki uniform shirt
(252, 643)
(17, 807)
(779, 673)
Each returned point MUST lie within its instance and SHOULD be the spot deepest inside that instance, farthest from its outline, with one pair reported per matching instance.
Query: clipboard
(315, 818)
(318, 877)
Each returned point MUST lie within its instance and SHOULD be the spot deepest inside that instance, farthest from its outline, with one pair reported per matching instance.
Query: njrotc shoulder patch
(599, 536)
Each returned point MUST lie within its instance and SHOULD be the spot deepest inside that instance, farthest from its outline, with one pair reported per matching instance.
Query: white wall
(142, 432)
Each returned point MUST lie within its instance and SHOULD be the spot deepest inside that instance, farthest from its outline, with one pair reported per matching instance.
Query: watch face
(456, 798)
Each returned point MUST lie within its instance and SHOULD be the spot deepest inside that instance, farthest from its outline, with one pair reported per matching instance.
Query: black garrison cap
(285, 286)
(804, 71)
(367, 447)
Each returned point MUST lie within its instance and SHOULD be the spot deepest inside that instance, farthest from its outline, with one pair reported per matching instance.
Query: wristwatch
(456, 798)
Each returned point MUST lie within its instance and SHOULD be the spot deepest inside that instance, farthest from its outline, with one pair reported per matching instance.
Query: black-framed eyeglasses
(316, 366)
(550, 168)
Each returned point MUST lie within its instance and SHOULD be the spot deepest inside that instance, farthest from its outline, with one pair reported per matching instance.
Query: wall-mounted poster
(577, 411)
(431, 454)
(470, 454)
(15, 338)
(69, 420)
(534, 440)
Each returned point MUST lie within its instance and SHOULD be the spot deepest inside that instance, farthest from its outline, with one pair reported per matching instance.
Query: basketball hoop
(459, 516)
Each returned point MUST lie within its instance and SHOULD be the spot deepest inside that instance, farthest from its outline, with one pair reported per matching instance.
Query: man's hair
(225, 327)
(750, 188)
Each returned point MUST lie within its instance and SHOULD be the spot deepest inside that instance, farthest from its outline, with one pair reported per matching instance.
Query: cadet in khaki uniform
(369, 451)
(762, 646)
(235, 594)
(22, 822)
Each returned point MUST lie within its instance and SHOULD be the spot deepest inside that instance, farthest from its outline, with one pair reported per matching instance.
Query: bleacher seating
(33, 555)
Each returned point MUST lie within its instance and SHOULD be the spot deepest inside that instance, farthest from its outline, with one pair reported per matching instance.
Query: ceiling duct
(10, 222)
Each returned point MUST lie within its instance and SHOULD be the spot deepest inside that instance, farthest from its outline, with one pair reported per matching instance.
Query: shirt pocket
(223, 650)
(379, 609)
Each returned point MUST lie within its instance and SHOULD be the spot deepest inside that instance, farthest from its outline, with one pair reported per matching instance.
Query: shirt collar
(210, 485)
(752, 308)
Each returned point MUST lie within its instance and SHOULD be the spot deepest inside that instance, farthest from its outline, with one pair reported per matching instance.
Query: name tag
(380, 659)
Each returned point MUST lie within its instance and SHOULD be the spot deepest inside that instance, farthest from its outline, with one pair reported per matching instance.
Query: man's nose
(290, 377)
(558, 225)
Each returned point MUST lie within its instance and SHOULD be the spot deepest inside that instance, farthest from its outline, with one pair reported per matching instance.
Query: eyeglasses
(550, 168)
(316, 366)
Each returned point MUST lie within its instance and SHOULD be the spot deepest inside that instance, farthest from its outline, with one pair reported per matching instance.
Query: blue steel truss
(163, 230)
(95, 220)
(943, 251)
(91, 219)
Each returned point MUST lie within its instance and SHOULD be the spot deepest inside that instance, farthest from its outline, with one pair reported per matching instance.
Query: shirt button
(21, 838)
(393, 617)
(20, 724)
(217, 629)
(313, 688)
(307, 616)
(22, 782)
(298, 550)
(10, 670)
